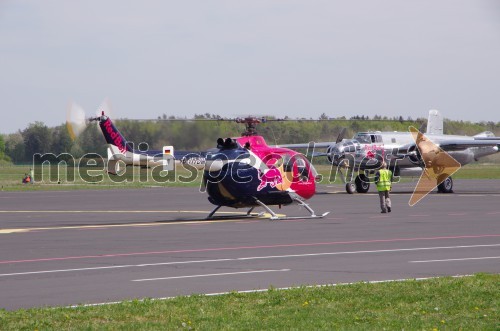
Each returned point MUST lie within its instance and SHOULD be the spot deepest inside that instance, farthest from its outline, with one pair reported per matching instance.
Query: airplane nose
(336, 154)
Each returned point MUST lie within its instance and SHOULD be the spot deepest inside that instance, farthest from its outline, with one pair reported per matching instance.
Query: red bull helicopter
(245, 172)
(242, 172)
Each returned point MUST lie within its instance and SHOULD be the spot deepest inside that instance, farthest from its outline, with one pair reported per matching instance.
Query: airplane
(245, 172)
(364, 153)
(120, 150)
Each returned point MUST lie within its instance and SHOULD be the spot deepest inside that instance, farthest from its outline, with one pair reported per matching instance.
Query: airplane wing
(459, 144)
(311, 144)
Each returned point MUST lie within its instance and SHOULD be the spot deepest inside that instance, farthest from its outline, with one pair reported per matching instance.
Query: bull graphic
(271, 176)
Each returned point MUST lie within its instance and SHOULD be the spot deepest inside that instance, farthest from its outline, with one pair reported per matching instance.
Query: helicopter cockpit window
(287, 163)
(302, 167)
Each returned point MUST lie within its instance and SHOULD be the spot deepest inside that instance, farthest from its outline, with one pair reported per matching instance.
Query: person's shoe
(383, 212)
(389, 209)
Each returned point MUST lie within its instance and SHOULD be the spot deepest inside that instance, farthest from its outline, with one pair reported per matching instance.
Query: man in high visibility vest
(383, 179)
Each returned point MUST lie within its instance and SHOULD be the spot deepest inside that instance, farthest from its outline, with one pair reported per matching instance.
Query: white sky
(235, 57)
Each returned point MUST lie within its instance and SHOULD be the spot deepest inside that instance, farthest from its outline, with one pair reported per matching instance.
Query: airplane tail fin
(434, 122)
(111, 133)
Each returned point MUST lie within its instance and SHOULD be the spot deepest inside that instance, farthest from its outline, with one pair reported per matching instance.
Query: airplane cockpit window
(348, 146)
(368, 138)
(363, 138)
(376, 138)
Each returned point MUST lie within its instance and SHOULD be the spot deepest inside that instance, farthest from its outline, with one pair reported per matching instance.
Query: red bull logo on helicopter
(271, 176)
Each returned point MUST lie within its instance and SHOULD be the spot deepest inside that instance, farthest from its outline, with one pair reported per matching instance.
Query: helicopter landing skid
(300, 202)
(274, 216)
(248, 214)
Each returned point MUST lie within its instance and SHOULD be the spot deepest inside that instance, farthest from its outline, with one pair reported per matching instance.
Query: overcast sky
(234, 57)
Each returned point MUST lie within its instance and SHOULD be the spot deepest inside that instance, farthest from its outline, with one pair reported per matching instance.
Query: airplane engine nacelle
(415, 157)
(329, 154)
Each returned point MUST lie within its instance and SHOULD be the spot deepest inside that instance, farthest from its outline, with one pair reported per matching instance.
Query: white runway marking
(266, 290)
(242, 259)
(463, 259)
(210, 275)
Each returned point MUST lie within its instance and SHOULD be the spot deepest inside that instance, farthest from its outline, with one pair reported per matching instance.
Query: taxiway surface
(95, 246)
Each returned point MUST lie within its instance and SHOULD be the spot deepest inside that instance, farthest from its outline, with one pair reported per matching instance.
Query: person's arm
(377, 177)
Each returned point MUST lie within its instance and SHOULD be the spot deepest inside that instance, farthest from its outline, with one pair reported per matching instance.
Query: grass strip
(11, 177)
(464, 303)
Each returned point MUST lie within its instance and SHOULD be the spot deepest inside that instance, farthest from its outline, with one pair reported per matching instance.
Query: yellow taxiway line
(105, 226)
(115, 211)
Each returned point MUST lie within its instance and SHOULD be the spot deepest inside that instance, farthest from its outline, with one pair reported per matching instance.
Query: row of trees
(202, 132)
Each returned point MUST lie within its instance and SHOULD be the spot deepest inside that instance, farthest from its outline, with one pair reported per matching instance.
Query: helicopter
(241, 172)
(245, 172)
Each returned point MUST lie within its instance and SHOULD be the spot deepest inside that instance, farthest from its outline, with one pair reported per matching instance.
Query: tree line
(201, 133)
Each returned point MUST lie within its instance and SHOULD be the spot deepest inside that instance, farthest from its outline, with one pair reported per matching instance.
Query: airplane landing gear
(446, 186)
(361, 185)
(350, 188)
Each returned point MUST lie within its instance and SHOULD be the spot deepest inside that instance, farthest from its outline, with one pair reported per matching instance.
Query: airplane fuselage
(370, 148)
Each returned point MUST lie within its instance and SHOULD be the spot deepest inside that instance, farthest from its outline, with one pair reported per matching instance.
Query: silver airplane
(364, 153)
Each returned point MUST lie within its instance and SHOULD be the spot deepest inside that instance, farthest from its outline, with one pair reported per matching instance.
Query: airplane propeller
(422, 127)
(341, 135)
(334, 152)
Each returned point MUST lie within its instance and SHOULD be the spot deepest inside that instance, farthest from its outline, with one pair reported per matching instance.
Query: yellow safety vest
(384, 181)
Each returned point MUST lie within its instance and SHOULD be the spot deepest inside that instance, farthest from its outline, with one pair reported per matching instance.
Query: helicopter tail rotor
(75, 120)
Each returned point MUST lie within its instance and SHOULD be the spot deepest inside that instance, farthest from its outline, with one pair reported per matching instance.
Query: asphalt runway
(60, 248)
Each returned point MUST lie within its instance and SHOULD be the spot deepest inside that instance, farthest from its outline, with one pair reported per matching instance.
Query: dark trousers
(385, 200)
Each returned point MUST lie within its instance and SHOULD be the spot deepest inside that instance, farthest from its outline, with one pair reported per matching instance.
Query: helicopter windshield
(303, 167)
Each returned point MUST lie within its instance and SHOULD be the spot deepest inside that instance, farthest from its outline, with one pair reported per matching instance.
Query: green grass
(466, 303)
(11, 177)
(479, 171)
